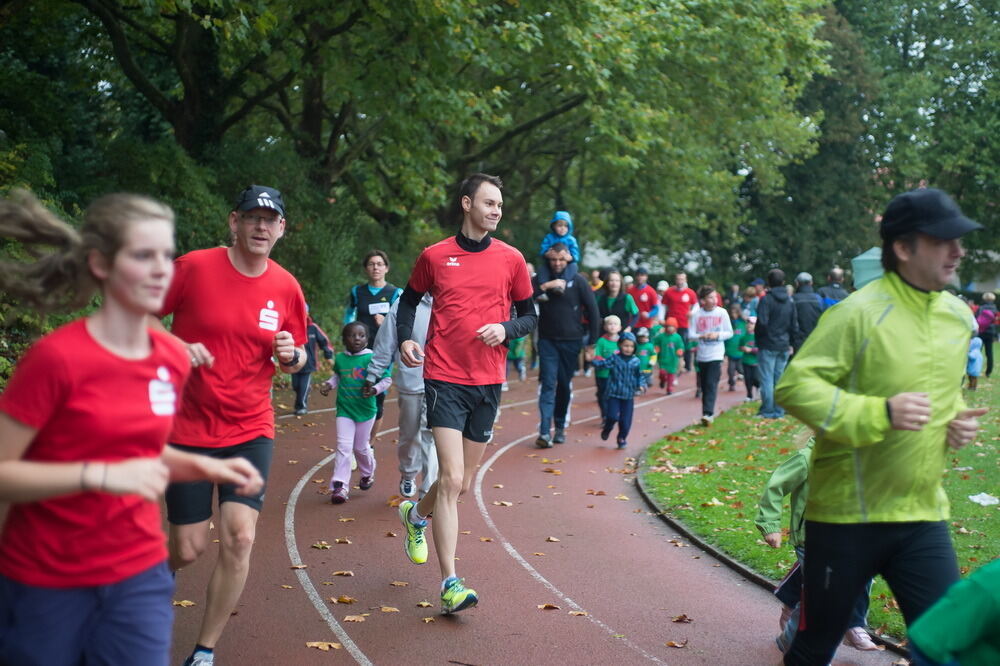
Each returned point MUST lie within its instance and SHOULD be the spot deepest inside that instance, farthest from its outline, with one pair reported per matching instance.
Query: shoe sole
(406, 519)
(337, 499)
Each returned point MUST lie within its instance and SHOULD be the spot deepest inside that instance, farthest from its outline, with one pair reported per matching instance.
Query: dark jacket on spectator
(562, 317)
(808, 308)
(777, 320)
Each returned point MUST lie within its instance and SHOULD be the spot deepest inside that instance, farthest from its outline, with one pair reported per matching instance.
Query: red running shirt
(89, 404)
(470, 290)
(679, 303)
(647, 300)
(236, 317)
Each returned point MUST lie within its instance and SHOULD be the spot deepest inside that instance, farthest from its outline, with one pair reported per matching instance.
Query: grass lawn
(711, 479)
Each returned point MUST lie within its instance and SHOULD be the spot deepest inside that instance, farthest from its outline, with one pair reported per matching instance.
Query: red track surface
(622, 570)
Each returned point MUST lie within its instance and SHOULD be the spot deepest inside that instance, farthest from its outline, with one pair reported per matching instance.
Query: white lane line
(317, 600)
(524, 563)
(304, 580)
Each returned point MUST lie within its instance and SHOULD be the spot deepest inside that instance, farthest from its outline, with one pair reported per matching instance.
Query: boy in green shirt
(646, 352)
(669, 350)
(748, 345)
(606, 346)
(734, 355)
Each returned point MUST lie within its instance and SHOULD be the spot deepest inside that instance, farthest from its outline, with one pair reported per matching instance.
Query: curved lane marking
(324, 612)
(484, 467)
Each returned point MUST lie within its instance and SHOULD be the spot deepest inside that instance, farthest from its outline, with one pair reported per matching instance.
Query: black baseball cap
(260, 196)
(929, 211)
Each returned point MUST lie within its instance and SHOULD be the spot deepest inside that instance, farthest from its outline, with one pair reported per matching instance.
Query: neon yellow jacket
(885, 339)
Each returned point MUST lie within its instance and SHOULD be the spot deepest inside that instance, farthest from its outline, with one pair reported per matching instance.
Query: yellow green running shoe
(456, 596)
(414, 544)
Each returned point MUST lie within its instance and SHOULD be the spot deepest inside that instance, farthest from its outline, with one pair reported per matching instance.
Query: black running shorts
(191, 501)
(470, 409)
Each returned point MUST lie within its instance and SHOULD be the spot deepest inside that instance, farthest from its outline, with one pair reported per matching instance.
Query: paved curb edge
(723, 557)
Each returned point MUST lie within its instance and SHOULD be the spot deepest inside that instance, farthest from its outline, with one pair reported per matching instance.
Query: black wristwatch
(295, 359)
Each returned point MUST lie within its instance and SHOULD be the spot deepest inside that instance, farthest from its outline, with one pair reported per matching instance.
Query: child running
(624, 381)
(356, 411)
(711, 327)
(734, 355)
(748, 345)
(646, 352)
(83, 426)
(669, 351)
(606, 345)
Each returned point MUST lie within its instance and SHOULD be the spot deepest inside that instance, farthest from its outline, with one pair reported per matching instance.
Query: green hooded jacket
(885, 339)
(789, 478)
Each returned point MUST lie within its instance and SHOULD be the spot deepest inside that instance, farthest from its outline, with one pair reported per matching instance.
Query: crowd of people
(186, 413)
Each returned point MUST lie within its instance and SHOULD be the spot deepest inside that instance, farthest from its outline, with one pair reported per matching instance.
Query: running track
(617, 573)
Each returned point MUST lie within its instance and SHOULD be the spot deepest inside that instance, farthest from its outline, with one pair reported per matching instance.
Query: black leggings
(916, 559)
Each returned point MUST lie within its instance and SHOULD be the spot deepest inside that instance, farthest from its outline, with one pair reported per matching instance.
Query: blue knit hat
(627, 335)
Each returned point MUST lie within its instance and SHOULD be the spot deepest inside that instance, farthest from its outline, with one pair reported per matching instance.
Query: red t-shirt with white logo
(647, 300)
(89, 404)
(470, 290)
(236, 317)
(679, 303)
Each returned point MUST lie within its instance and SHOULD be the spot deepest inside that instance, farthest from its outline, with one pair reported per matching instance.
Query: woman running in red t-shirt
(83, 421)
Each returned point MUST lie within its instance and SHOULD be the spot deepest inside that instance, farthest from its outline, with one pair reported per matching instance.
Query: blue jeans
(557, 361)
(772, 366)
(620, 412)
(128, 622)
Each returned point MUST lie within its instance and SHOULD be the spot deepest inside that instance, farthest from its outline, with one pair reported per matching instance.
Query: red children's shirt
(647, 300)
(679, 303)
(236, 317)
(89, 404)
(470, 290)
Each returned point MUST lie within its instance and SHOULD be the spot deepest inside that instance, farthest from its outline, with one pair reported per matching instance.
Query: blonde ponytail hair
(59, 277)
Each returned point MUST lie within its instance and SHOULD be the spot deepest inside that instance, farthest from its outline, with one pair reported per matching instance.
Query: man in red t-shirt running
(475, 280)
(235, 310)
(645, 298)
(680, 299)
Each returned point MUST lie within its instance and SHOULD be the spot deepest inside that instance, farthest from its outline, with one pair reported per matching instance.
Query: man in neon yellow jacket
(879, 381)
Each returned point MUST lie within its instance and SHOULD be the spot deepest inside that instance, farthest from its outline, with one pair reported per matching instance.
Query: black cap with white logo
(260, 196)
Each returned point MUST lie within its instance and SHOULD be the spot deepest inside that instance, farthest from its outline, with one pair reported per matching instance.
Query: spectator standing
(236, 310)
(974, 364)
(563, 321)
(465, 363)
(808, 308)
(733, 296)
(369, 303)
(680, 299)
(777, 323)
(645, 298)
(879, 381)
(710, 327)
(833, 291)
(415, 449)
(301, 380)
(612, 299)
(988, 327)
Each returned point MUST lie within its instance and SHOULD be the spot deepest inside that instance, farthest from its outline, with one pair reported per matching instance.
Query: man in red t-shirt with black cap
(235, 310)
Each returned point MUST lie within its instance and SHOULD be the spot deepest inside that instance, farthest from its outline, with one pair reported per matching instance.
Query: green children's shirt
(604, 348)
(350, 372)
(733, 344)
(667, 347)
(749, 357)
(647, 356)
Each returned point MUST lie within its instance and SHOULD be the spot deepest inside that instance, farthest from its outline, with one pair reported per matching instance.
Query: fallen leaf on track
(552, 539)
(343, 573)
(579, 613)
(677, 644)
(389, 609)
(346, 520)
(184, 603)
(325, 646)
(503, 503)
(298, 566)
(424, 604)
(344, 540)
(390, 534)
(498, 485)
(343, 599)
(428, 620)
(548, 607)
(398, 583)
(287, 587)
(321, 545)
(682, 618)
(354, 618)
(539, 554)
(485, 539)
(624, 498)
